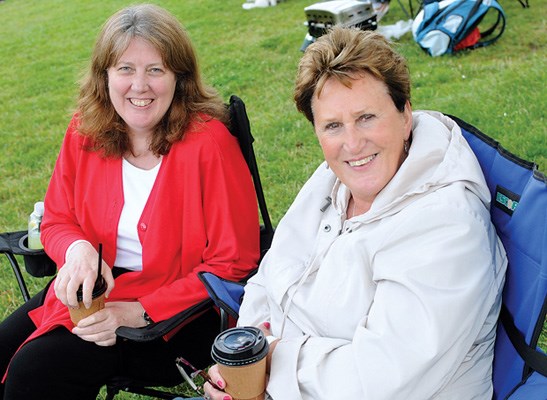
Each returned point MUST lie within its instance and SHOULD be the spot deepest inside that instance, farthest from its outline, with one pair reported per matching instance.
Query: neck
(143, 160)
(355, 208)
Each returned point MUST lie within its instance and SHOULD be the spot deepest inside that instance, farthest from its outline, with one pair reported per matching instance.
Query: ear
(407, 116)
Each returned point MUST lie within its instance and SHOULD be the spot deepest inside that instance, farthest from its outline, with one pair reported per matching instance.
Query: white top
(137, 185)
(400, 302)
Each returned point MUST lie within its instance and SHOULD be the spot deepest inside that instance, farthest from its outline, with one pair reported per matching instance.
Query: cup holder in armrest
(37, 262)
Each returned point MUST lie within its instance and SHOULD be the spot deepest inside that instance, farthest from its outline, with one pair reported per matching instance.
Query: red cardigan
(201, 216)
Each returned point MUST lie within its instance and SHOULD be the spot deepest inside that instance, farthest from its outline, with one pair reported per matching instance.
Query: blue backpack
(451, 25)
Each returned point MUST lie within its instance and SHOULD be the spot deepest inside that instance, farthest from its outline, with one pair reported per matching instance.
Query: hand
(210, 391)
(101, 326)
(216, 377)
(80, 268)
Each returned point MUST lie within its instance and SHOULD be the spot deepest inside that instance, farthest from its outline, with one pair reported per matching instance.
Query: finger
(100, 338)
(71, 288)
(87, 290)
(106, 343)
(107, 275)
(87, 321)
(60, 289)
(94, 329)
(214, 393)
(214, 374)
(57, 282)
(265, 328)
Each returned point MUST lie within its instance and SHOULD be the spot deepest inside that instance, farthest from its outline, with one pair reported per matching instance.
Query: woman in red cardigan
(149, 170)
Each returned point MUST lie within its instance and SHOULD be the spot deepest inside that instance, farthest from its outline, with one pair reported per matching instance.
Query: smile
(363, 161)
(140, 103)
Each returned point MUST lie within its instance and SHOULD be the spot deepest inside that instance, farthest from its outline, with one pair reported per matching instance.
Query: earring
(406, 146)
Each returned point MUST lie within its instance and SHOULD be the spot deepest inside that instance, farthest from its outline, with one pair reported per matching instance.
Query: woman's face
(141, 87)
(362, 134)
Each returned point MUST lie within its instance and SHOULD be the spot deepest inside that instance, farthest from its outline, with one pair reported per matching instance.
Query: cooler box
(348, 13)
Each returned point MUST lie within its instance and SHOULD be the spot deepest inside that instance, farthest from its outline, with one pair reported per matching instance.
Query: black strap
(487, 33)
(532, 358)
(240, 127)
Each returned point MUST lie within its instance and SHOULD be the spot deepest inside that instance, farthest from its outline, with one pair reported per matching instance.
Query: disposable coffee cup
(241, 357)
(99, 290)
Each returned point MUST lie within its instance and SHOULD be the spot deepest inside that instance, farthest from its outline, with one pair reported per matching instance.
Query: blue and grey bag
(451, 25)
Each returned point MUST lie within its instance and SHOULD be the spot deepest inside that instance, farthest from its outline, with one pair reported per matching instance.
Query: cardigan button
(142, 226)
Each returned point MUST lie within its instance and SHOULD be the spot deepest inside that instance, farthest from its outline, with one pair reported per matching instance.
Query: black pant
(59, 365)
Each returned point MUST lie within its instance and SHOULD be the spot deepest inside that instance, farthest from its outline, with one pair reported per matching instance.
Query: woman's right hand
(213, 393)
(80, 268)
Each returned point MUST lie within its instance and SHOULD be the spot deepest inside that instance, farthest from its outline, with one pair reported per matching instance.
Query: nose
(139, 82)
(353, 139)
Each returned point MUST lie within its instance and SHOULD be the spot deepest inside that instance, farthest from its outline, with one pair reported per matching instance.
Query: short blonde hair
(344, 54)
(192, 99)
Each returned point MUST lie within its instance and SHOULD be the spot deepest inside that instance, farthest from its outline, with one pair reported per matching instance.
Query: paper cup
(241, 357)
(98, 295)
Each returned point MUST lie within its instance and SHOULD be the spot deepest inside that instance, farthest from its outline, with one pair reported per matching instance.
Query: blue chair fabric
(533, 388)
(227, 295)
(519, 213)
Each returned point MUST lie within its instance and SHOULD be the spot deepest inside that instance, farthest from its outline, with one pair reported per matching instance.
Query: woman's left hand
(214, 393)
(214, 372)
(101, 326)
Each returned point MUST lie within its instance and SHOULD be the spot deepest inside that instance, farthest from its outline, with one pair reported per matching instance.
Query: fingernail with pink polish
(220, 384)
(226, 398)
(267, 325)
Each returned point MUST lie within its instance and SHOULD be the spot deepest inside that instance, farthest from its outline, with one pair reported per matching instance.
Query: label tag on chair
(506, 200)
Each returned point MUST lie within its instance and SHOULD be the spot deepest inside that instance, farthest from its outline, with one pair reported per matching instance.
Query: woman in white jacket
(384, 277)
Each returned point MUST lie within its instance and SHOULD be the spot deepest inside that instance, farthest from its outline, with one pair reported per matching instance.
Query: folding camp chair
(519, 213)
(38, 264)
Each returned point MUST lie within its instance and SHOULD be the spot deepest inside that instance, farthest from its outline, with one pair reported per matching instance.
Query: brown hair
(192, 98)
(344, 54)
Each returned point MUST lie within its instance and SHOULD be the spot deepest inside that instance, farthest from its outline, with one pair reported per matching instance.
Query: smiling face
(141, 87)
(362, 134)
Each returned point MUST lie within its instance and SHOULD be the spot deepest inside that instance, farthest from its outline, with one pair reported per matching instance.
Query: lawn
(46, 45)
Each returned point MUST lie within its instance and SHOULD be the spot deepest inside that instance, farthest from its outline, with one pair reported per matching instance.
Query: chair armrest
(223, 293)
(37, 262)
(227, 295)
(162, 328)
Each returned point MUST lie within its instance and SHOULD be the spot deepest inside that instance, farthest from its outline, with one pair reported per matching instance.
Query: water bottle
(34, 221)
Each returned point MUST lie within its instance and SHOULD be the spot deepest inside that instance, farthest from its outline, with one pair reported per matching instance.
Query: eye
(124, 68)
(156, 70)
(366, 117)
(332, 126)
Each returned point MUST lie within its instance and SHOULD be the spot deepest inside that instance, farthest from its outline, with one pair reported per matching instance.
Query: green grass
(46, 44)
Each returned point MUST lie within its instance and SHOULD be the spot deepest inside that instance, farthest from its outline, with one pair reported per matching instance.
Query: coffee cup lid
(99, 288)
(240, 346)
